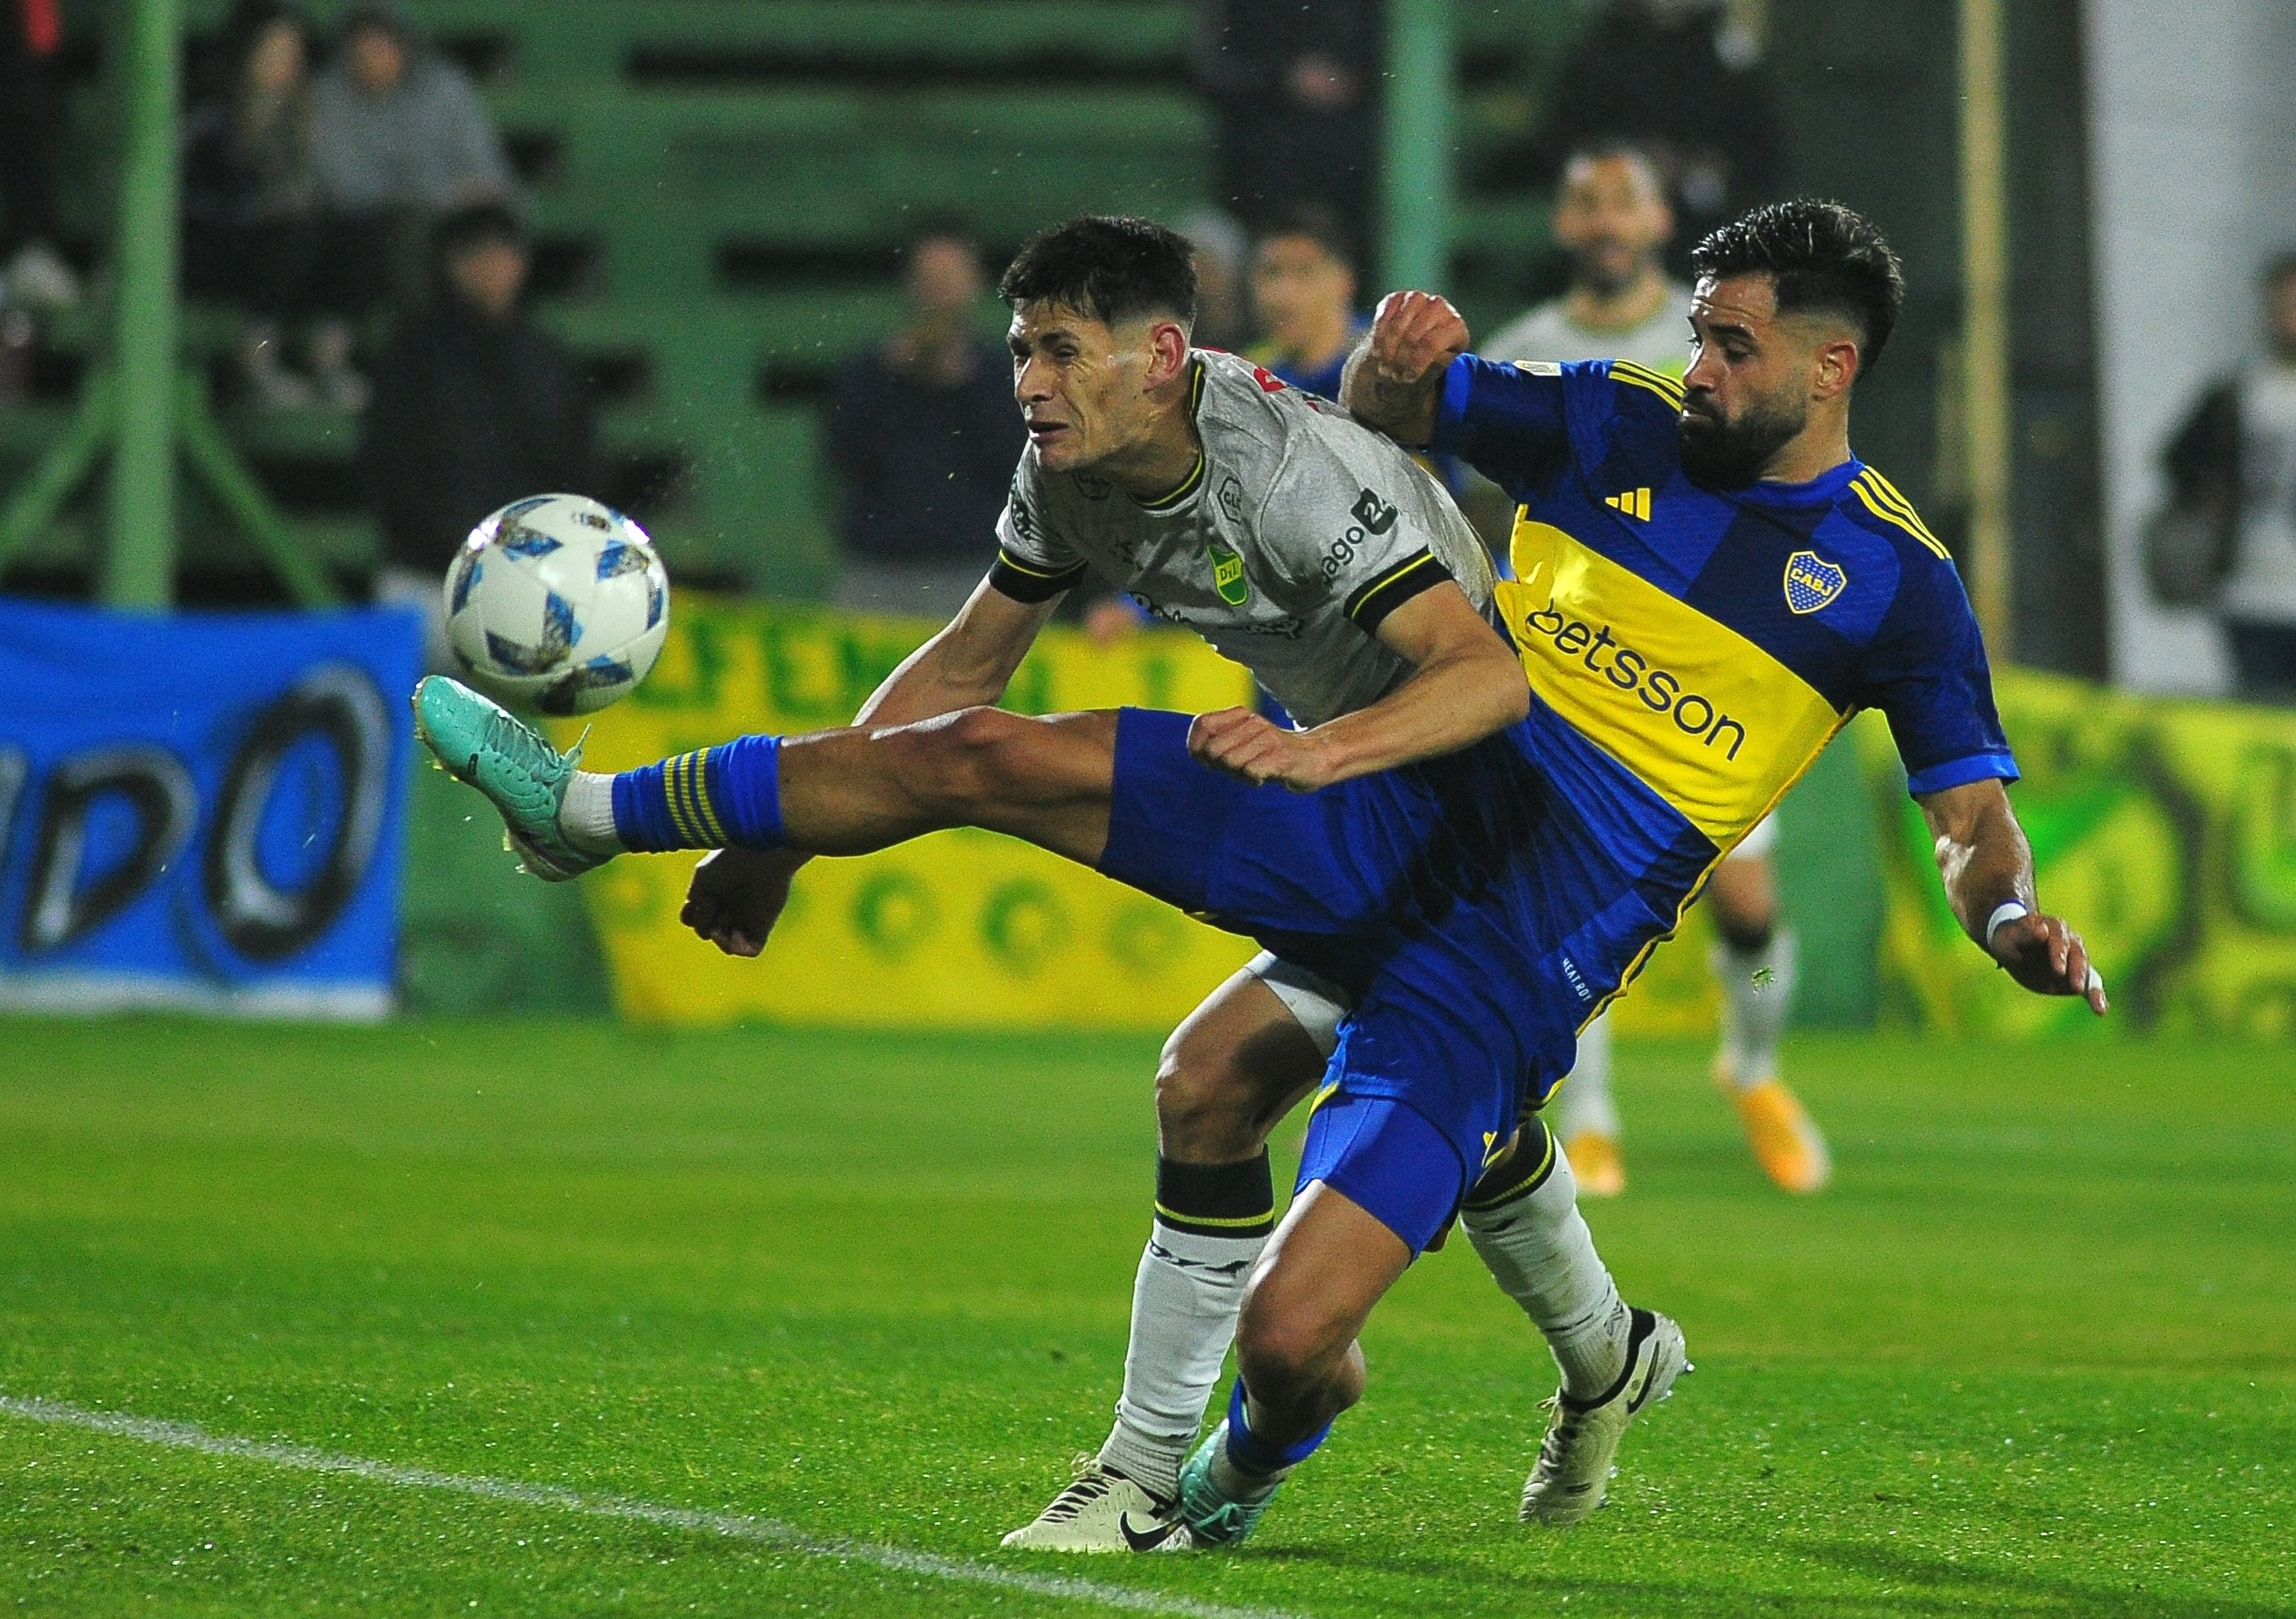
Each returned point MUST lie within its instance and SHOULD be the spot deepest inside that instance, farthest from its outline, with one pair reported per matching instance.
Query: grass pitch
(2035, 1353)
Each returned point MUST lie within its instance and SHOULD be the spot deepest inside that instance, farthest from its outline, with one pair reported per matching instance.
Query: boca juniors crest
(1812, 582)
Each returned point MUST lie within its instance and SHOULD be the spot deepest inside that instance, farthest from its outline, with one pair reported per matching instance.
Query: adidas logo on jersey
(1634, 503)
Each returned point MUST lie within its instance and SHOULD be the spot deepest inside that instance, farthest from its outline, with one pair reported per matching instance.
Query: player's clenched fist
(736, 896)
(1254, 747)
(1413, 333)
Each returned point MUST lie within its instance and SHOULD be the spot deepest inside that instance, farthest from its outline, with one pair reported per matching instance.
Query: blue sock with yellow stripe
(727, 797)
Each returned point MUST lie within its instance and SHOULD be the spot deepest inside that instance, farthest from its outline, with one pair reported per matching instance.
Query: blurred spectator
(33, 274)
(1296, 86)
(1611, 222)
(1303, 283)
(2228, 539)
(474, 406)
(924, 433)
(1222, 319)
(253, 233)
(398, 134)
(1682, 79)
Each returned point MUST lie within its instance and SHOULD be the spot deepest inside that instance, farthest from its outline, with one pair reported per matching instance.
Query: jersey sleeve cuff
(1375, 599)
(1030, 582)
(1451, 413)
(1960, 773)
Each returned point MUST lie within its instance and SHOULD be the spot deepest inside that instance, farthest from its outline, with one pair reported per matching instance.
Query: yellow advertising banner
(2165, 830)
(959, 929)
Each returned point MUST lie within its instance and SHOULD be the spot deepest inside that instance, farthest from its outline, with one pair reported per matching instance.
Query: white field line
(732, 1527)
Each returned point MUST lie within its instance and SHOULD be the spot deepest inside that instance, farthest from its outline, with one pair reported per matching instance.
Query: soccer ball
(558, 604)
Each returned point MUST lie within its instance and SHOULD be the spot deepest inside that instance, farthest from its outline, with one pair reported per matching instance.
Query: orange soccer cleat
(1786, 1144)
(1595, 1163)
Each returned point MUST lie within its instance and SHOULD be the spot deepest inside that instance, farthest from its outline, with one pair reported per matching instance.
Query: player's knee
(1748, 930)
(1286, 1350)
(1207, 1110)
(963, 755)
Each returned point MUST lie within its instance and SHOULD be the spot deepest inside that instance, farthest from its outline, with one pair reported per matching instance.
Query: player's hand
(1413, 334)
(737, 895)
(1256, 748)
(2045, 955)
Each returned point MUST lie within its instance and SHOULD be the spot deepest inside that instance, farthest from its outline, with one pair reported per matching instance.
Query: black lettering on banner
(260, 919)
(156, 786)
(1660, 690)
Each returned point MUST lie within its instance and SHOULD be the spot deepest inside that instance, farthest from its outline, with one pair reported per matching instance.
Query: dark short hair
(1110, 268)
(475, 224)
(1818, 256)
(2280, 266)
(1312, 222)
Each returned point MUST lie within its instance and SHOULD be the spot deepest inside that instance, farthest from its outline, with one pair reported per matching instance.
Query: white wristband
(2005, 913)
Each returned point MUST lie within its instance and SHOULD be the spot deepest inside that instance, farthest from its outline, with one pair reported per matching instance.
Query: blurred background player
(923, 435)
(1303, 283)
(2231, 466)
(1612, 221)
(475, 404)
(399, 136)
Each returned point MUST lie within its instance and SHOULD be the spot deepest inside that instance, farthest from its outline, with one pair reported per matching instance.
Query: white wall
(2192, 154)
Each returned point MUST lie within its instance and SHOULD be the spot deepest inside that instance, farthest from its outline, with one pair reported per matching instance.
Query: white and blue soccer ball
(557, 603)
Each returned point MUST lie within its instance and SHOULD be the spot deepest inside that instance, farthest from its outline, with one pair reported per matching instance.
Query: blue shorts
(1460, 900)
(1393, 1163)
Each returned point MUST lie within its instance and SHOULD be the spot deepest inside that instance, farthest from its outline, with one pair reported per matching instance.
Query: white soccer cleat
(1574, 1468)
(1104, 1510)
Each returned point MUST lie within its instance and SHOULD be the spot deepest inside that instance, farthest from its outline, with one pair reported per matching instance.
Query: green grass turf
(2035, 1353)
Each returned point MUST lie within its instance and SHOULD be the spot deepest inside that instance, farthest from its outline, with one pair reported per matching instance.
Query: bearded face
(1729, 452)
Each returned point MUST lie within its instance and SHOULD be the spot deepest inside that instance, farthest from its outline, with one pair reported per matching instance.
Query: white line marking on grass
(732, 1525)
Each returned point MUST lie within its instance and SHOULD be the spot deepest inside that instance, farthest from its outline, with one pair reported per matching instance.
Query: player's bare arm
(736, 895)
(1987, 864)
(1394, 382)
(1465, 684)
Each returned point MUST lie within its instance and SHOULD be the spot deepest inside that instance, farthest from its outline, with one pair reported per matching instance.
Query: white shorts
(1760, 843)
(1318, 1002)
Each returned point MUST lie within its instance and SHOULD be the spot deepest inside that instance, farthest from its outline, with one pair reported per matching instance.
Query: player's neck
(1593, 309)
(1161, 459)
(1813, 452)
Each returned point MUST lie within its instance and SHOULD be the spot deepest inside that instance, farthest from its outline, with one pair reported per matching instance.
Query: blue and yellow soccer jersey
(1692, 650)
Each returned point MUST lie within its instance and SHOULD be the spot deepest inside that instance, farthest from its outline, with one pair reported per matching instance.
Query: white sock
(586, 817)
(1584, 1102)
(1543, 1257)
(1185, 1301)
(1757, 994)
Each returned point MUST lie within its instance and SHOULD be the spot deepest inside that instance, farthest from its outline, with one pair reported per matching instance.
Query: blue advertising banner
(202, 810)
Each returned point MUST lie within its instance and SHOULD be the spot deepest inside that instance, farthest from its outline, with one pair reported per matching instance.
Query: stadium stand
(721, 188)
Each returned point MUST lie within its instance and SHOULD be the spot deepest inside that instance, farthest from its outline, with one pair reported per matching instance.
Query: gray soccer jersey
(1298, 533)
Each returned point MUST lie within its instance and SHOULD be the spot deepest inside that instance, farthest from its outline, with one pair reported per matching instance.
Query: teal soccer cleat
(522, 775)
(1219, 1505)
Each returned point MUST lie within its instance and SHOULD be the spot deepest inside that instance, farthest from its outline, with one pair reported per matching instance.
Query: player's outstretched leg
(1754, 961)
(1523, 1220)
(841, 791)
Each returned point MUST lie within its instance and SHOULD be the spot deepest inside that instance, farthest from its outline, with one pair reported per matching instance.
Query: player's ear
(1835, 367)
(1167, 352)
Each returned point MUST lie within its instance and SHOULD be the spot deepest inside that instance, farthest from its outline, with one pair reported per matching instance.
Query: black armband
(1374, 599)
(1026, 582)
